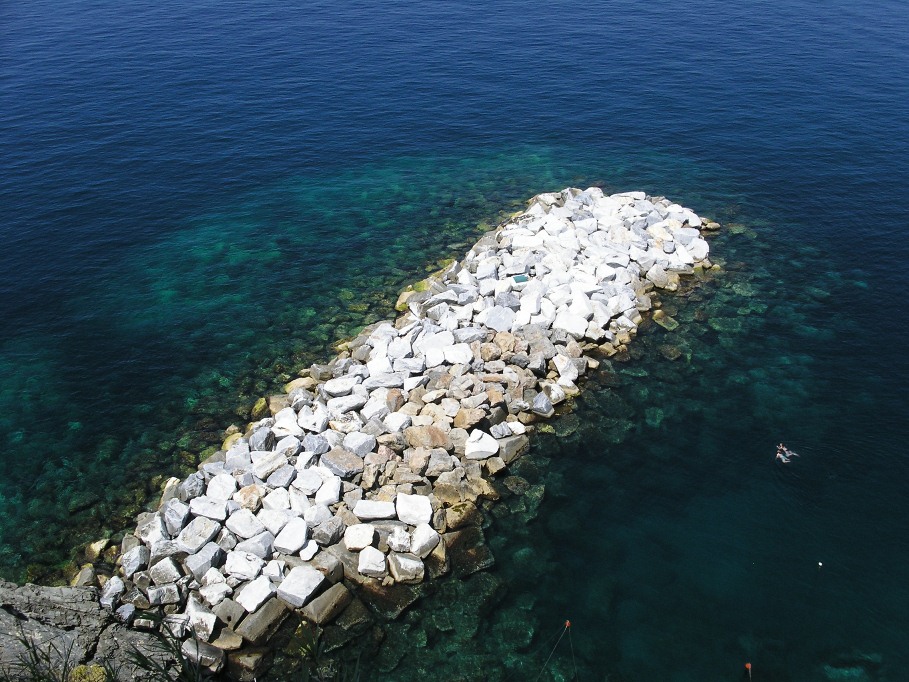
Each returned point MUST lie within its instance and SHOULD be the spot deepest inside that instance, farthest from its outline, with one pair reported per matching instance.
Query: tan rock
(490, 352)
(467, 418)
(394, 399)
(505, 341)
(427, 437)
(250, 497)
(449, 495)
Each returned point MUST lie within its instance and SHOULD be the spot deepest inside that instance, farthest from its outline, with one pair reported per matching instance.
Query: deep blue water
(198, 198)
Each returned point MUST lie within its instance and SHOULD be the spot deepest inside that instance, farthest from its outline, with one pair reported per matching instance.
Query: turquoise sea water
(198, 200)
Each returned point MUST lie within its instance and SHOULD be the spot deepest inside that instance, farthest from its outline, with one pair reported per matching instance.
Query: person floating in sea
(784, 454)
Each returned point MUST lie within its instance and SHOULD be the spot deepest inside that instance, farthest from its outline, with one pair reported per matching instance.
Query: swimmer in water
(784, 454)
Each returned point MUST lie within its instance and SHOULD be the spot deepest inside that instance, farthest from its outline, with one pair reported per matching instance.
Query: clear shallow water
(197, 201)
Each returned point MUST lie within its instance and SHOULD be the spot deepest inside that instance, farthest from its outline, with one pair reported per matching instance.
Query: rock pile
(370, 465)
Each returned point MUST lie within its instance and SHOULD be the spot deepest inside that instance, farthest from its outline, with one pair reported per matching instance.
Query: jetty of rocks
(368, 466)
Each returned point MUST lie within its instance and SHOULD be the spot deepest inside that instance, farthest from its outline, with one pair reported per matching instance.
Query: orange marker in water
(748, 668)
(567, 623)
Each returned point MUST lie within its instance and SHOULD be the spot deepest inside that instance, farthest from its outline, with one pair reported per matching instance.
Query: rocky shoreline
(365, 478)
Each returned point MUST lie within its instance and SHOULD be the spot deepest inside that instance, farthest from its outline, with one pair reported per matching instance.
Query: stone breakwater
(370, 468)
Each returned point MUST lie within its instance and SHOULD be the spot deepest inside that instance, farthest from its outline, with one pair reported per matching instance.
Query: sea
(198, 199)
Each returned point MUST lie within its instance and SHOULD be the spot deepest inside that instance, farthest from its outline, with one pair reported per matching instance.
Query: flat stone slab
(370, 510)
(327, 606)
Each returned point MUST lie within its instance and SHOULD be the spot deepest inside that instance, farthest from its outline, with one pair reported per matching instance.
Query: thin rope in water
(574, 663)
(543, 669)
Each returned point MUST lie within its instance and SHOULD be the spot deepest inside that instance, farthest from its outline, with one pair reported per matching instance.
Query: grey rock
(134, 560)
(371, 563)
(308, 481)
(282, 476)
(203, 654)
(500, 318)
(176, 515)
(329, 605)
(512, 447)
(208, 507)
(346, 404)
(151, 529)
(261, 545)
(165, 571)
(261, 439)
(243, 565)
(359, 443)
(342, 462)
(266, 463)
(113, 588)
(192, 486)
(329, 532)
(210, 556)
(257, 628)
(501, 430)
(161, 595)
(315, 443)
(542, 405)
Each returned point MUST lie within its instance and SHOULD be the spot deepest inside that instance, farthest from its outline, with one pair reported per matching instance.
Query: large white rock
(345, 404)
(500, 318)
(480, 445)
(358, 536)
(359, 443)
(458, 354)
(221, 487)
(300, 585)
(371, 562)
(199, 532)
(308, 481)
(208, 507)
(244, 524)
(423, 540)
(575, 325)
(266, 463)
(243, 565)
(286, 423)
(201, 619)
(274, 520)
(415, 509)
(330, 491)
(293, 537)
(566, 368)
(368, 510)
(313, 420)
(256, 593)
(340, 385)
(399, 540)
(396, 422)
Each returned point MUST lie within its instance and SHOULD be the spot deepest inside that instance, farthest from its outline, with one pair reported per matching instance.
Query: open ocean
(198, 199)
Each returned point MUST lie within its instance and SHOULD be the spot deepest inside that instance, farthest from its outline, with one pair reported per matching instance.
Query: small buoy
(748, 668)
(567, 623)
